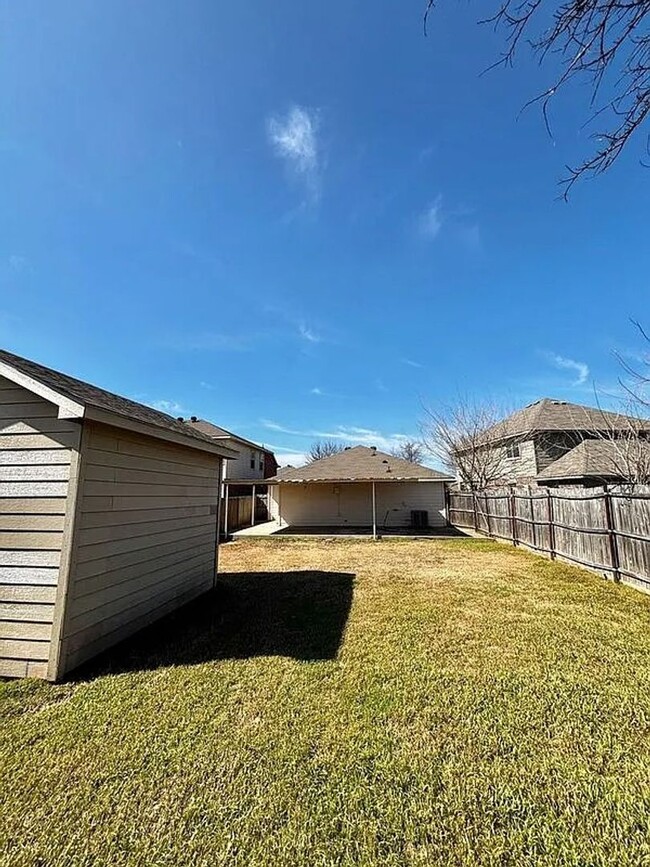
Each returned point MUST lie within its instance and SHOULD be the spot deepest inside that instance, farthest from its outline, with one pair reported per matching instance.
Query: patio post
(253, 506)
(374, 512)
(225, 518)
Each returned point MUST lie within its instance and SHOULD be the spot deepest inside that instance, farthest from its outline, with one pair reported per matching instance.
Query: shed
(108, 517)
(359, 487)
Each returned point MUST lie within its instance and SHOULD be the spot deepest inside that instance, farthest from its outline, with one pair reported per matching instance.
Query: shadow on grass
(296, 614)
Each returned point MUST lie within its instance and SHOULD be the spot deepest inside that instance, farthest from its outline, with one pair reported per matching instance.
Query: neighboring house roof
(593, 459)
(559, 415)
(216, 432)
(77, 399)
(360, 464)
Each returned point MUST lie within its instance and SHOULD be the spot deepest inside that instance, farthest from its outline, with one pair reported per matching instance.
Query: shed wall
(350, 504)
(145, 537)
(35, 456)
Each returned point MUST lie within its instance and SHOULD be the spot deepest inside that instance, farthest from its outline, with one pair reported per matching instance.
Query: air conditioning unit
(419, 519)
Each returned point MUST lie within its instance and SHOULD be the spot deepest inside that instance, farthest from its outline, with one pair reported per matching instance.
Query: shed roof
(78, 399)
(359, 464)
(592, 458)
(548, 414)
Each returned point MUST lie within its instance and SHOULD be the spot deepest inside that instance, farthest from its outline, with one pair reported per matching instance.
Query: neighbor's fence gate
(606, 529)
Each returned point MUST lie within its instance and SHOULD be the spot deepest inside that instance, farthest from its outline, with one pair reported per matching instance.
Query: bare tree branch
(324, 449)
(410, 451)
(606, 43)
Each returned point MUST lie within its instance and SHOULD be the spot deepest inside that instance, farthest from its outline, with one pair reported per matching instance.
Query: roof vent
(193, 418)
(180, 418)
(384, 461)
(347, 448)
(373, 449)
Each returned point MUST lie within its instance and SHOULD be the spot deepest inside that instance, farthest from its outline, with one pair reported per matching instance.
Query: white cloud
(411, 363)
(171, 407)
(308, 334)
(348, 434)
(578, 367)
(317, 391)
(294, 139)
(432, 219)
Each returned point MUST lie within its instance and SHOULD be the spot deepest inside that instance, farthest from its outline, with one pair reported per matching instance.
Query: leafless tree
(409, 450)
(472, 440)
(324, 449)
(603, 42)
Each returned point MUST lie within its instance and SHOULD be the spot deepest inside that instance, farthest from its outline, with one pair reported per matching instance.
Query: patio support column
(374, 511)
(225, 519)
(279, 505)
(253, 507)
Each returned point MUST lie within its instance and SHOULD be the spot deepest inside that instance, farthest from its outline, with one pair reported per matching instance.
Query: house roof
(78, 399)
(559, 415)
(359, 464)
(216, 432)
(591, 459)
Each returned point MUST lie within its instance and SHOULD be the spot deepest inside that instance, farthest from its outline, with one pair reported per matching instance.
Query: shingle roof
(216, 432)
(557, 415)
(590, 459)
(359, 464)
(91, 396)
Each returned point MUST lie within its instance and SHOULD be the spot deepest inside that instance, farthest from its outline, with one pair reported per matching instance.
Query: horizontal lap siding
(35, 456)
(145, 537)
(329, 505)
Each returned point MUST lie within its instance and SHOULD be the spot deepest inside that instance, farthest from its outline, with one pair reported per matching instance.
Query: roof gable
(593, 458)
(216, 432)
(78, 399)
(559, 415)
(360, 463)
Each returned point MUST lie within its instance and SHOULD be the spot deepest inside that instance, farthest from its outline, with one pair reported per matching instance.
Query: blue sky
(304, 219)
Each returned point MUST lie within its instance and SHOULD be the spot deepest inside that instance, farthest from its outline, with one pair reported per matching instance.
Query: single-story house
(108, 517)
(599, 462)
(359, 487)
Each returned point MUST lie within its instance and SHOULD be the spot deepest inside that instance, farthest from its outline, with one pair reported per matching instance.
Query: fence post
(551, 523)
(611, 533)
(513, 517)
(474, 507)
(487, 514)
(533, 520)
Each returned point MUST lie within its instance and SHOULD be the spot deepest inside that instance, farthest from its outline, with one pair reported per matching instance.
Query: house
(596, 462)
(525, 444)
(359, 487)
(108, 517)
(252, 461)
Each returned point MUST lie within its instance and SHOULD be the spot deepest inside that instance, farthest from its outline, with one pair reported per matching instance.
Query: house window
(512, 451)
(252, 460)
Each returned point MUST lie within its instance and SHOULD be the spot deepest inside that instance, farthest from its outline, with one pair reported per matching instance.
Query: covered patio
(358, 492)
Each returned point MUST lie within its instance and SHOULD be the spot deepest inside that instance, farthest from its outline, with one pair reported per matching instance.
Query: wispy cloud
(578, 367)
(348, 434)
(294, 138)
(308, 334)
(171, 407)
(431, 221)
(318, 392)
(410, 363)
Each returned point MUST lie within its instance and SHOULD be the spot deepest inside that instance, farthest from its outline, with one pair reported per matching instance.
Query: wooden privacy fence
(606, 529)
(240, 511)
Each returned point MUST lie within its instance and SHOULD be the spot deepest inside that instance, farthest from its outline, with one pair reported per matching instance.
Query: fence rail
(606, 529)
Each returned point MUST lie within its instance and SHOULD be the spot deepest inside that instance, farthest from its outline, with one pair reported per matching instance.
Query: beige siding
(330, 505)
(144, 540)
(35, 458)
(240, 467)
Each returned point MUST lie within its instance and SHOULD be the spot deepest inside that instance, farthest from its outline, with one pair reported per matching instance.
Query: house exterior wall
(240, 467)
(36, 455)
(350, 504)
(144, 539)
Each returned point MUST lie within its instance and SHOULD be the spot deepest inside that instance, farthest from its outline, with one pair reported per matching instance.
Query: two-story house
(527, 444)
(253, 461)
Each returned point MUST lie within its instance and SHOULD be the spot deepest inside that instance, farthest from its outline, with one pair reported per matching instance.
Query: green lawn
(443, 702)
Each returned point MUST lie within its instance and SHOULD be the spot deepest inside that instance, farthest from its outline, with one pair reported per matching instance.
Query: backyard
(438, 702)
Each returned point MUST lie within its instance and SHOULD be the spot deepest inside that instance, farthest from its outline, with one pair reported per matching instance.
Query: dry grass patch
(451, 702)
